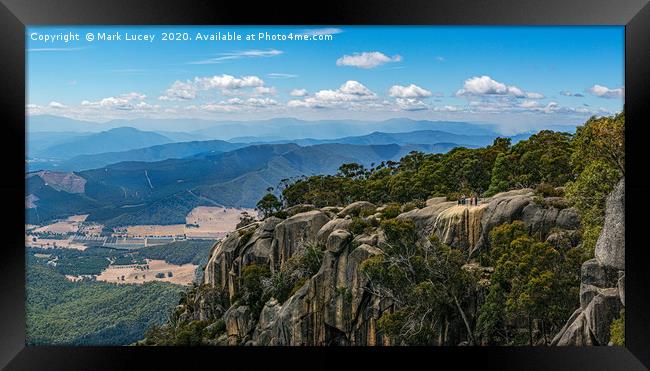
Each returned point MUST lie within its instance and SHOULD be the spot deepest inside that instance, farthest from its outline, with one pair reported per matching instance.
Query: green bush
(617, 330)
(358, 226)
(391, 210)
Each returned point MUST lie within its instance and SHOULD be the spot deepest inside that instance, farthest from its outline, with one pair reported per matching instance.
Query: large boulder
(591, 325)
(358, 208)
(332, 308)
(592, 273)
(224, 253)
(602, 281)
(331, 226)
(575, 332)
(601, 311)
(337, 240)
(251, 244)
(610, 247)
(291, 235)
(468, 227)
(239, 324)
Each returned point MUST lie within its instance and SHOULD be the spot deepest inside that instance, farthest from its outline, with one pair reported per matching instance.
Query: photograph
(325, 185)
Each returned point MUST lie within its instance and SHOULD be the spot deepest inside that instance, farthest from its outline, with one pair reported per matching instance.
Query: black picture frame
(16, 14)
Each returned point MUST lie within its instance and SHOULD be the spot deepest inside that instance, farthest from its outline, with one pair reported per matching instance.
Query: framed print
(379, 181)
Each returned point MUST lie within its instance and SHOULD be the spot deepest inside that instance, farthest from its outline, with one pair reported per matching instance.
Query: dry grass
(155, 230)
(213, 222)
(139, 274)
(70, 225)
(50, 243)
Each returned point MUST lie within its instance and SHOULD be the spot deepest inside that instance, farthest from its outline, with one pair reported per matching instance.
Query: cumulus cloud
(366, 59)
(261, 90)
(411, 91)
(298, 92)
(605, 92)
(238, 104)
(409, 98)
(486, 86)
(349, 94)
(227, 82)
(185, 90)
(529, 104)
(180, 90)
(571, 94)
(447, 108)
(223, 57)
(127, 102)
(56, 105)
(410, 104)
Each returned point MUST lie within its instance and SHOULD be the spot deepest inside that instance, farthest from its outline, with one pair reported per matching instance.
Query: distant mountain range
(148, 154)
(113, 140)
(88, 151)
(277, 128)
(163, 192)
(413, 137)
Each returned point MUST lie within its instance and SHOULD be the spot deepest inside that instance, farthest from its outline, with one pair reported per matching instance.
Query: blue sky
(520, 78)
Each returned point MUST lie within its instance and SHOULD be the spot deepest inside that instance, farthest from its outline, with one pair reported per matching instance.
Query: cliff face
(336, 305)
(602, 283)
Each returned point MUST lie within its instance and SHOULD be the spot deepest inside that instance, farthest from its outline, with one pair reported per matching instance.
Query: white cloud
(227, 82)
(533, 95)
(410, 104)
(366, 59)
(349, 95)
(409, 98)
(179, 91)
(570, 94)
(254, 53)
(411, 91)
(529, 104)
(261, 90)
(486, 86)
(238, 104)
(440, 59)
(605, 92)
(126, 102)
(447, 108)
(281, 75)
(298, 92)
(56, 105)
(322, 31)
(185, 90)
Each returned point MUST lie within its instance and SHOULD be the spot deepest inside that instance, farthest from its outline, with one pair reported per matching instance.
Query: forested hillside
(61, 312)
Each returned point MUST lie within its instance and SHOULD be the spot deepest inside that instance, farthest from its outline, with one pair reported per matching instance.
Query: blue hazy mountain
(279, 128)
(442, 142)
(412, 137)
(148, 154)
(113, 140)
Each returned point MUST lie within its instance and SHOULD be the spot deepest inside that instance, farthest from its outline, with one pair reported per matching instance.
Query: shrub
(617, 330)
(358, 226)
(547, 190)
(391, 211)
